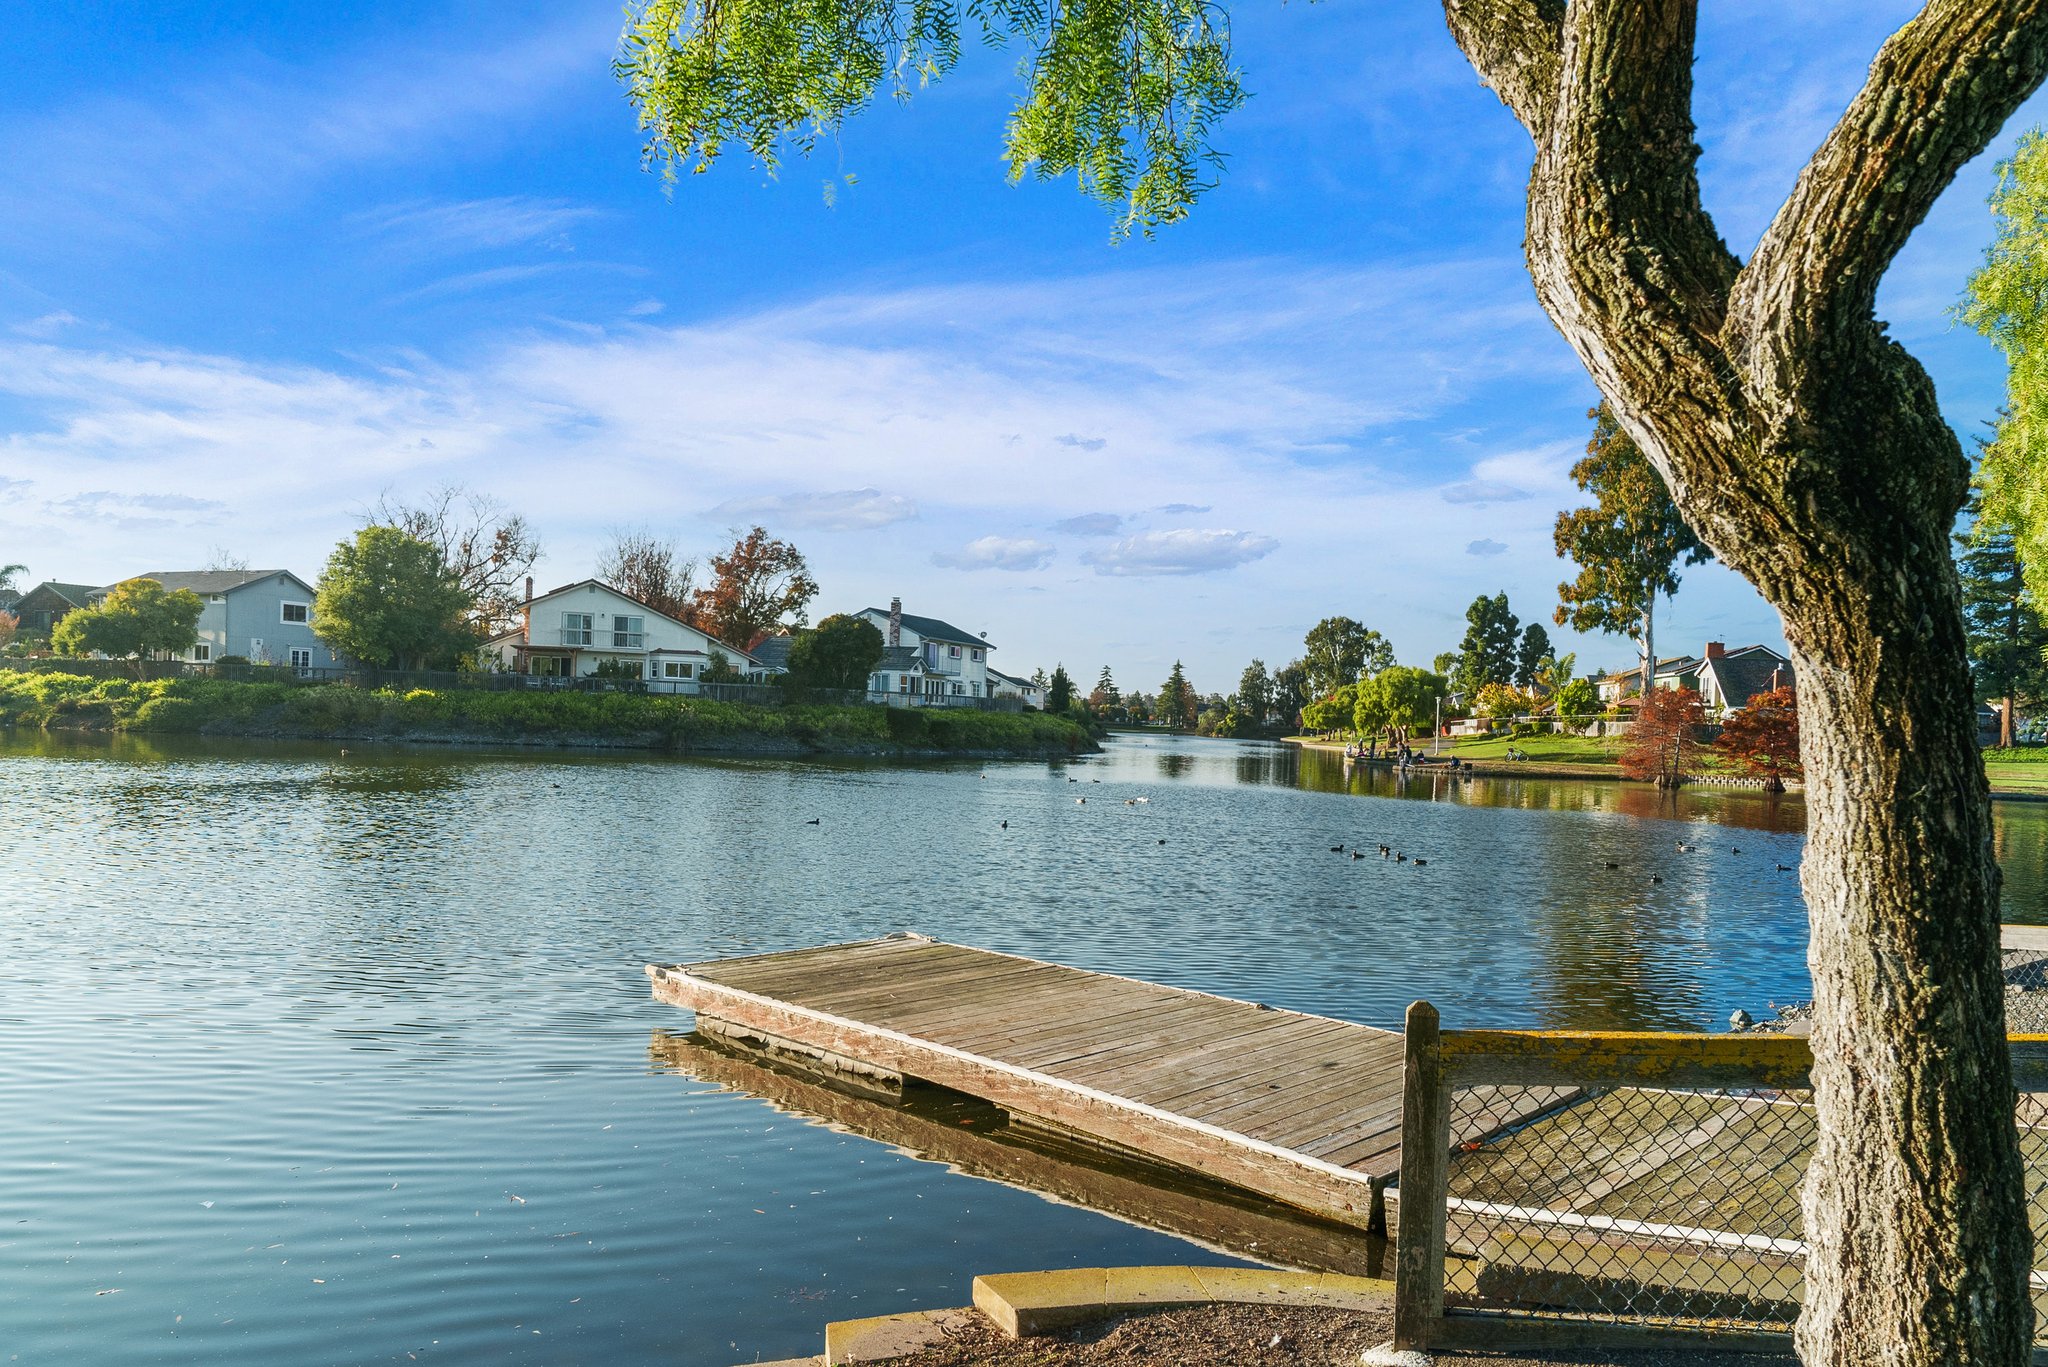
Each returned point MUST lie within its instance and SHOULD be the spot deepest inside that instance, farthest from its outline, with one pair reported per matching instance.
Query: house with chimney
(1725, 679)
(589, 628)
(925, 659)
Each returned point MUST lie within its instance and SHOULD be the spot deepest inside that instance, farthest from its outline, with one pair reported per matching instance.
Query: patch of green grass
(1546, 748)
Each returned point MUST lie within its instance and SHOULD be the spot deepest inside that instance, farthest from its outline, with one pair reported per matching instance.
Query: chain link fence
(1647, 1184)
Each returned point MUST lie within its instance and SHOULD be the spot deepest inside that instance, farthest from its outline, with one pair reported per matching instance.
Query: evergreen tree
(1529, 657)
(1178, 706)
(1106, 686)
(1487, 654)
(1059, 693)
(2006, 632)
(1254, 695)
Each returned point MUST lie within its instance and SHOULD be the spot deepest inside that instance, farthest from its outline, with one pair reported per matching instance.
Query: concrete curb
(1021, 1304)
(1026, 1303)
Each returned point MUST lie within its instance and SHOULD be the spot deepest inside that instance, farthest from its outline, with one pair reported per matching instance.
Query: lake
(320, 1059)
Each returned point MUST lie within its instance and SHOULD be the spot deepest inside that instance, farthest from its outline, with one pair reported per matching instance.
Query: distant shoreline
(539, 719)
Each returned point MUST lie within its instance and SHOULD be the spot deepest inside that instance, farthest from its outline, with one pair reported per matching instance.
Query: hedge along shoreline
(637, 721)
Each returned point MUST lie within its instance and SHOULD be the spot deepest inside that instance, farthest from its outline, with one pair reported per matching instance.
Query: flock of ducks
(1388, 852)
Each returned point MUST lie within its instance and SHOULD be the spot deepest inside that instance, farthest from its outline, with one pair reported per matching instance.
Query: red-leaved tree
(1665, 745)
(1763, 738)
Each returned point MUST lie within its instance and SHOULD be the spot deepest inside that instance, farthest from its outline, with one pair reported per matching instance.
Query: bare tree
(219, 558)
(488, 549)
(652, 570)
(1807, 450)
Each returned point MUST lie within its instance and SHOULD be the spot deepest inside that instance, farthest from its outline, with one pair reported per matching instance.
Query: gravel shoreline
(2026, 1000)
(1253, 1336)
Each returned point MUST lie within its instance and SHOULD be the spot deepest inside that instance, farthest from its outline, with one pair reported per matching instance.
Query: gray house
(265, 616)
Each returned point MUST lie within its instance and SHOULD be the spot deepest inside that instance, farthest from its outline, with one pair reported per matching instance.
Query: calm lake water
(311, 1059)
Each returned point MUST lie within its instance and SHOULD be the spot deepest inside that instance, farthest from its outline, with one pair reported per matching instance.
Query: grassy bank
(218, 707)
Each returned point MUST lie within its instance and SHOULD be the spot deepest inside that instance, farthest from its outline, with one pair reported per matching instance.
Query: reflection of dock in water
(982, 1140)
(1299, 1109)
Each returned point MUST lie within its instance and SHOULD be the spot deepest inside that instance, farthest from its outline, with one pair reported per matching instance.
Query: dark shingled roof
(1742, 674)
(78, 595)
(998, 675)
(901, 660)
(203, 582)
(772, 652)
(931, 628)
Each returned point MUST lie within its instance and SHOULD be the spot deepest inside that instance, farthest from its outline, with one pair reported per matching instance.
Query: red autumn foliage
(1763, 738)
(1665, 745)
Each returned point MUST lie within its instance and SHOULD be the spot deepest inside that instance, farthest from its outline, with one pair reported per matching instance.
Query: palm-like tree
(1554, 673)
(8, 591)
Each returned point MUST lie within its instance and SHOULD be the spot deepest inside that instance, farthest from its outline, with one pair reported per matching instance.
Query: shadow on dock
(982, 1140)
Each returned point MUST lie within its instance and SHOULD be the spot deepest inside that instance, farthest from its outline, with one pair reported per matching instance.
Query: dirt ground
(1251, 1336)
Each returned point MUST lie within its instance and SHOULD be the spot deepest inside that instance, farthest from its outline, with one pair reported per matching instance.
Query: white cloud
(840, 511)
(49, 325)
(646, 308)
(1090, 524)
(1182, 551)
(1485, 547)
(1479, 493)
(997, 553)
(467, 225)
(1183, 509)
(1084, 443)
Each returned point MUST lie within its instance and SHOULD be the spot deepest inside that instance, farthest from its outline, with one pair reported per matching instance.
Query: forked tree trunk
(1808, 452)
(1649, 642)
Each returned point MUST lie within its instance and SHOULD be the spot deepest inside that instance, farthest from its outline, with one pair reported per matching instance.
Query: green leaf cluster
(136, 618)
(387, 598)
(1122, 93)
(1628, 544)
(2006, 299)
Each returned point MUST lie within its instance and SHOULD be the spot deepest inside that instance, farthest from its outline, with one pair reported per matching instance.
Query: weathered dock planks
(1298, 1108)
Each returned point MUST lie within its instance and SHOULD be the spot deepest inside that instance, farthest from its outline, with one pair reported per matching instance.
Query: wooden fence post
(1425, 1171)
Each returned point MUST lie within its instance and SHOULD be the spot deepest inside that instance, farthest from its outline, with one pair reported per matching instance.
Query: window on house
(905, 683)
(976, 688)
(627, 633)
(958, 690)
(677, 669)
(974, 654)
(576, 628)
(953, 652)
(302, 658)
(202, 653)
(299, 613)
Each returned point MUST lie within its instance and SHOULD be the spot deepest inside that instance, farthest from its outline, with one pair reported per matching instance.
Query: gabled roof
(1001, 677)
(78, 595)
(203, 582)
(772, 652)
(1742, 674)
(639, 603)
(931, 628)
(900, 660)
(1670, 664)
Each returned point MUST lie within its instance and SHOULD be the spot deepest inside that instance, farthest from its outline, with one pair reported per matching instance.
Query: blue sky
(260, 263)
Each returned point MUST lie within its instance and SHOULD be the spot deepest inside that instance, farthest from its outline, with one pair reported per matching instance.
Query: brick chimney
(895, 621)
(1715, 650)
(526, 614)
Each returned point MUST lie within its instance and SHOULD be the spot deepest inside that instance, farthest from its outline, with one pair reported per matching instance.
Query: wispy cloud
(259, 130)
(1183, 509)
(997, 553)
(472, 224)
(1091, 524)
(1480, 492)
(841, 510)
(1485, 547)
(1083, 443)
(1182, 551)
(49, 325)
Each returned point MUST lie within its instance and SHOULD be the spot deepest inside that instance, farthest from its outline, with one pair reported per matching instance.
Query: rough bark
(1806, 449)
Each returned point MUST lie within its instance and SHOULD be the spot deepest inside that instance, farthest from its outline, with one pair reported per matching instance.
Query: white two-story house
(927, 658)
(570, 632)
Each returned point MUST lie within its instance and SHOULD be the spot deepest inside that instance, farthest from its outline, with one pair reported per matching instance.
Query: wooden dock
(1297, 1108)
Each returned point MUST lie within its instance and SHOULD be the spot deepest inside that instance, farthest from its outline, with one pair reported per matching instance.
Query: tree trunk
(1649, 680)
(1807, 450)
(2005, 711)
